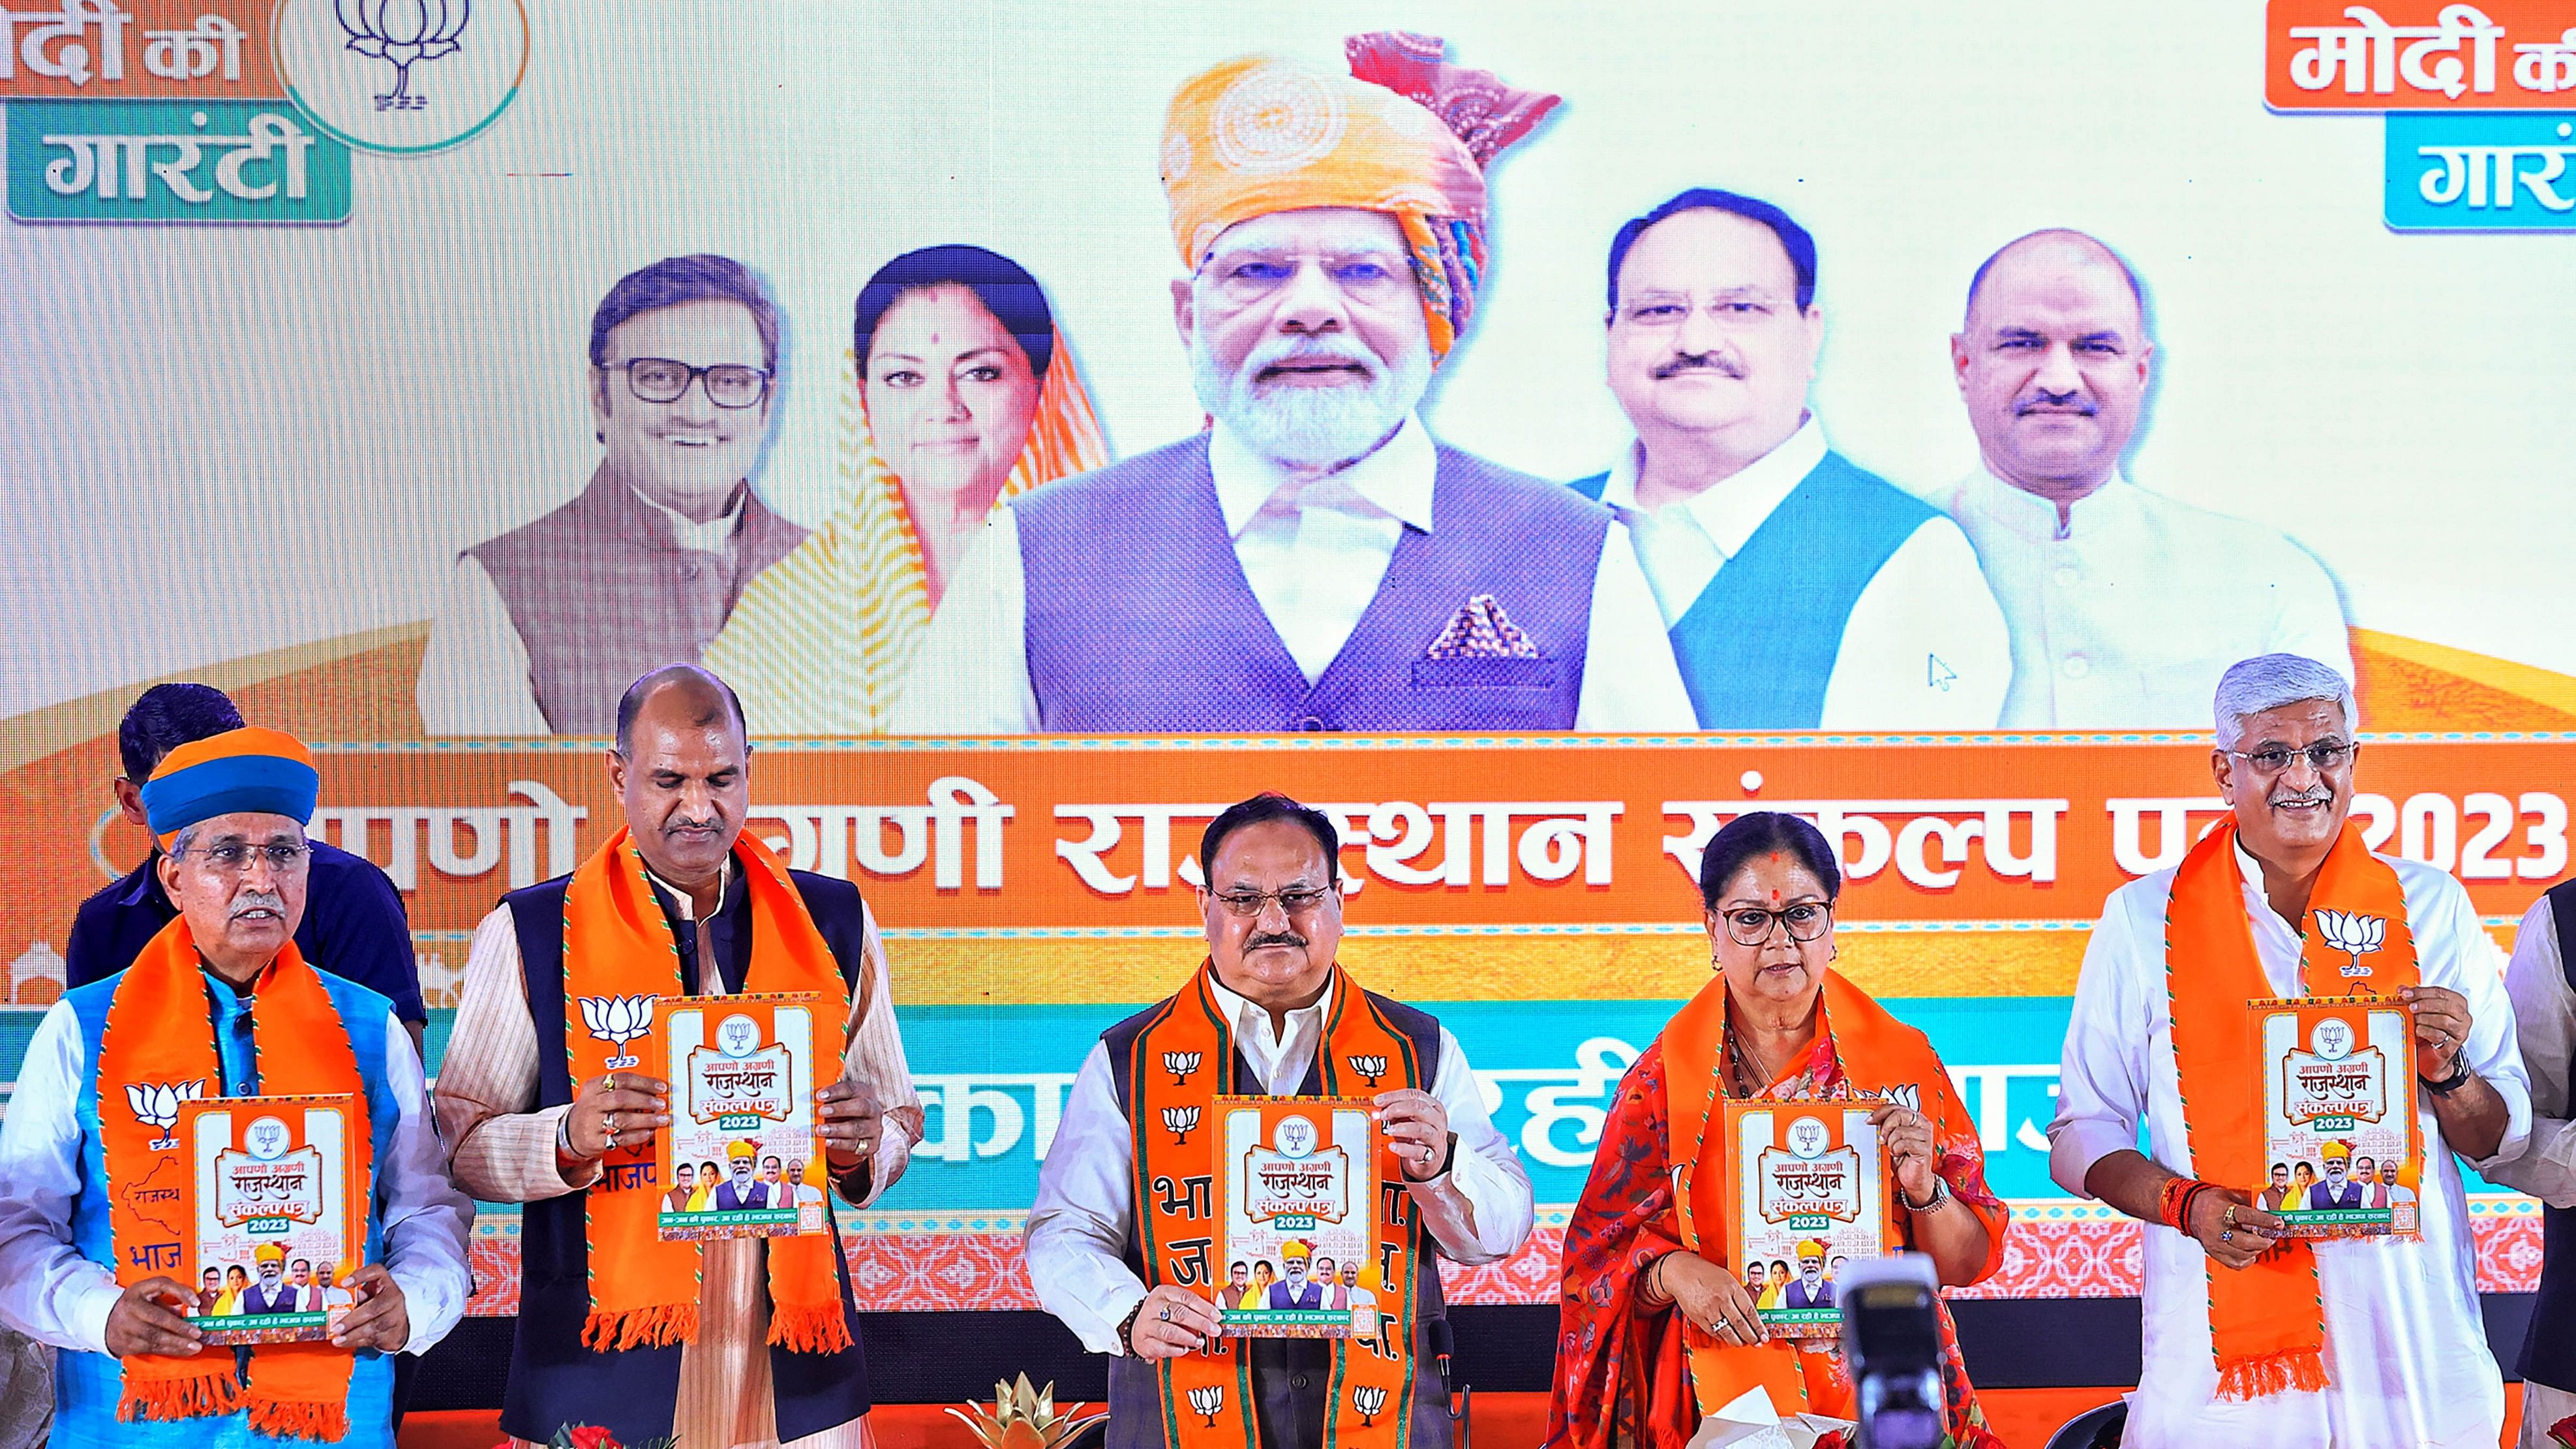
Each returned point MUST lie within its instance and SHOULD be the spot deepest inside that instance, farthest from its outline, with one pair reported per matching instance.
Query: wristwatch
(563, 1141)
(1940, 1196)
(2458, 1078)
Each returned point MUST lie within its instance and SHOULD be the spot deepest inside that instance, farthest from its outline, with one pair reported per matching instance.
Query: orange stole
(617, 943)
(1182, 1062)
(1877, 1052)
(157, 1034)
(2266, 1322)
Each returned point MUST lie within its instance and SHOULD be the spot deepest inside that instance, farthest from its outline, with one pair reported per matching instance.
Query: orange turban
(1403, 133)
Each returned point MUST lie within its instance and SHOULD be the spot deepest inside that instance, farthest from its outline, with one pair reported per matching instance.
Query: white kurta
(2405, 1346)
(1925, 646)
(2125, 613)
(2544, 1011)
(1314, 554)
(1478, 1211)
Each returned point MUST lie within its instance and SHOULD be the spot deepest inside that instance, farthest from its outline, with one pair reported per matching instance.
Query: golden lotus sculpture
(1025, 1418)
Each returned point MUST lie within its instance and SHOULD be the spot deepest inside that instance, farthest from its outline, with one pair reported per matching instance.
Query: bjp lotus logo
(403, 33)
(1372, 1067)
(1181, 1065)
(158, 1106)
(2355, 936)
(618, 1020)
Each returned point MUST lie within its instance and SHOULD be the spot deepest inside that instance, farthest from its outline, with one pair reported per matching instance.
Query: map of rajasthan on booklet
(274, 1215)
(2340, 1148)
(1298, 1218)
(1808, 1183)
(742, 1157)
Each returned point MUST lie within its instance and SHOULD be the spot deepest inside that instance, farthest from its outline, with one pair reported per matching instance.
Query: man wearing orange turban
(1337, 569)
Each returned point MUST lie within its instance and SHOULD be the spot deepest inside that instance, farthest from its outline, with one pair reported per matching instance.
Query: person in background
(2541, 983)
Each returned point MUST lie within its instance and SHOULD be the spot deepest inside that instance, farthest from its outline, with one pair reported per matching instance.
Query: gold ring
(2231, 1215)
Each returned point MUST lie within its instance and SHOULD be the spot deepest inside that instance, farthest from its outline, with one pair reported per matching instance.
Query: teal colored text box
(173, 162)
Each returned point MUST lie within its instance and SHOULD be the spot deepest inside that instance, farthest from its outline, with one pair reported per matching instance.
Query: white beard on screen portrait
(1311, 427)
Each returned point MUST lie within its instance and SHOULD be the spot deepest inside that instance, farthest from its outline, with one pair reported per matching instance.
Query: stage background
(249, 454)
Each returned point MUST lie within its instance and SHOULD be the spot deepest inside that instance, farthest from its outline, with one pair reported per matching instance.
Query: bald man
(2125, 606)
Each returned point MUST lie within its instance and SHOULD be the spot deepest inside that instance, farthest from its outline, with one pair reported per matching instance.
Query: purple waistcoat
(601, 593)
(1139, 618)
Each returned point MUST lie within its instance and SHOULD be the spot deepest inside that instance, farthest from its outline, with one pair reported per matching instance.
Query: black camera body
(1892, 1344)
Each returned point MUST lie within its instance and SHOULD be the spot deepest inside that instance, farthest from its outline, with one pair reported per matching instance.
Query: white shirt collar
(2030, 516)
(713, 536)
(1729, 511)
(688, 905)
(1254, 1035)
(1396, 479)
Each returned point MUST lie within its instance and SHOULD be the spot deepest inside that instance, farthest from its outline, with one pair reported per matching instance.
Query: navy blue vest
(1139, 618)
(1291, 1375)
(554, 1379)
(2549, 1344)
(1758, 646)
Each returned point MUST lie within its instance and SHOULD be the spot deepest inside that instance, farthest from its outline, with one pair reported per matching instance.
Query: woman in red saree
(1653, 1328)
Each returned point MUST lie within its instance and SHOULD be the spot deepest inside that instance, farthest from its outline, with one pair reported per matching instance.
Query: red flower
(591, 1436)
(2564, 1431)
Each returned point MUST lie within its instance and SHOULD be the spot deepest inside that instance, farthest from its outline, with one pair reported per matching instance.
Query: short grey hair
(2269, 681)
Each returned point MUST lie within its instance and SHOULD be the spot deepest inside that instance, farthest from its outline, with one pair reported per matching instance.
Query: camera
(1892, 1344)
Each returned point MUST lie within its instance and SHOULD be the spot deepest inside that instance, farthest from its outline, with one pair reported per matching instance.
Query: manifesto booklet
(1298, 1217)
(2340, 1150)
(273, 1215)
(1808, 1183)
(742, 1158)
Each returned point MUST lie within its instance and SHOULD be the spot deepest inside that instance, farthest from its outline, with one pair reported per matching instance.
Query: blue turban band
(267, 784)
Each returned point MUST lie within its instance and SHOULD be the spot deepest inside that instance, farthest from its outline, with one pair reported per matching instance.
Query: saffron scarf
(157, 1036)
(2267, 1320)
(1179, 1065)
(821, 641)
(618, 943)
(1880, 1057)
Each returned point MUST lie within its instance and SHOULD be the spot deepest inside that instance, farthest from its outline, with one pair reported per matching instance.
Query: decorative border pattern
(2076, 1250)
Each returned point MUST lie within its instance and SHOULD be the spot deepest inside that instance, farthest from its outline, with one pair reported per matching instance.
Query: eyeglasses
(1805, 921)
(1246, 277)
(1295, 900)
(234, 857)
(661, 380)
(2323, 756)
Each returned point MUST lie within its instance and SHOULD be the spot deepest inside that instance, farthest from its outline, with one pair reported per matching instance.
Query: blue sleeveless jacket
(1757, 647)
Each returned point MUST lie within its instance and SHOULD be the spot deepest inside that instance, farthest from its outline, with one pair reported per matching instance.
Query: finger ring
(609, 1121)
(1166, 1315)
(2231, 1215)
(2227, 1235)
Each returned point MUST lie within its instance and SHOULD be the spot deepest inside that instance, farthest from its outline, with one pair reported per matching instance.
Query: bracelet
(1651, 1287)
(1940, 1197)
(2458, 1078)
(1127, 1329)
(563, 1140)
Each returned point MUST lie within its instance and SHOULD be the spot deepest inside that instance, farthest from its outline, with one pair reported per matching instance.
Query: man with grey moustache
(1315, 560)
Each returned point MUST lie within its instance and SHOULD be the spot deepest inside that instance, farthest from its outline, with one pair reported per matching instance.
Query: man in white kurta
(1799, 591)
(2405, 1348)
(2544, 1012)
(2125, 605)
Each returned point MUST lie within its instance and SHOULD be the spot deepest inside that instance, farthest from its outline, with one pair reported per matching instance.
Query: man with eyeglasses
(2125, 604)
(1270, 1012)
(2248, 1336)
(1339, 569)
(544, 626)
(220, 1003)
(353, 924)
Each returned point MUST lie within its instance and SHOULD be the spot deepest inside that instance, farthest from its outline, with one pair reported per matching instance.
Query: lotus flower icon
(1181, 1065)
(2356, 936)
(1369, 1067)
(1369, 1399)
(618, 1020)
(1208, 1399)
(1182, 1120)
(158, 1106)
(402, 33)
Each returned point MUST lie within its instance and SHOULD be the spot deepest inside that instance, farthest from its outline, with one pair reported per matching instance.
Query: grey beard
(1311, 427)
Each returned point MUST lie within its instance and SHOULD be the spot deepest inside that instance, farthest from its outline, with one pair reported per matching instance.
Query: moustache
(2069, 404)
(1718, 363)
(2319, 796)
(1282, 938)
(259, 901)
(1306, 352)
